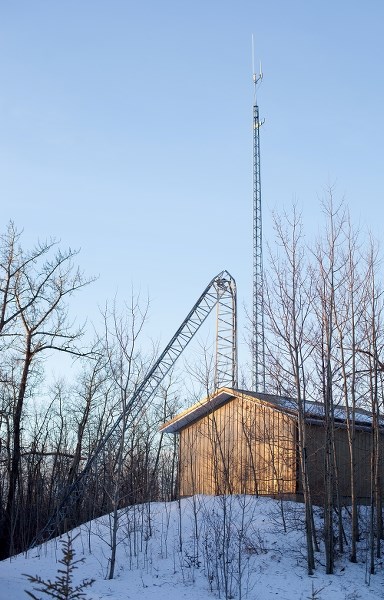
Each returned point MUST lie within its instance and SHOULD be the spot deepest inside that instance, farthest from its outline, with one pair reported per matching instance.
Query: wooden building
(240, 442)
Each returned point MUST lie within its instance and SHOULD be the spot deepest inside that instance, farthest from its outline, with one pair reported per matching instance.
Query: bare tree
(34, 319)
(330, 274)
(347, 320)
(374, 348)
(289, 294)
(126, 370)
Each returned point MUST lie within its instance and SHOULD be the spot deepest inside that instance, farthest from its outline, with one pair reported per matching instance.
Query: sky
(126, 132)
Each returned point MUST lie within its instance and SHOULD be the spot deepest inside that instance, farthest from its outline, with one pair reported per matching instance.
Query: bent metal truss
(220, 292)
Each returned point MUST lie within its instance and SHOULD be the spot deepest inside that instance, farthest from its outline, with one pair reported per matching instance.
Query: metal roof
(314, 410)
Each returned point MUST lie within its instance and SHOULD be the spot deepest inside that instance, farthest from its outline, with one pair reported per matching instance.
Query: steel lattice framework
(226, 332)
(221, 291)
(258, 341)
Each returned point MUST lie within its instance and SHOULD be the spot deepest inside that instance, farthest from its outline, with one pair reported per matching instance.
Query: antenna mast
(258, 342)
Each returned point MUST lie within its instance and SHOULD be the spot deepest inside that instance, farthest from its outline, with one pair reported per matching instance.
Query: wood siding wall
(363, 444)
(243, 447)
(248, 447)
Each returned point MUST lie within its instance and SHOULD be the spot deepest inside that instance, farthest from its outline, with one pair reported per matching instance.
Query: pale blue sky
(126, 130)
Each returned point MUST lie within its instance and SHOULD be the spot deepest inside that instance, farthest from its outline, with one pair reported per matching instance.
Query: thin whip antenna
(253, 57)
(256, 78)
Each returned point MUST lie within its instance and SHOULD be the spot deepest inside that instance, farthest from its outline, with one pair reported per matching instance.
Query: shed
(241, 442)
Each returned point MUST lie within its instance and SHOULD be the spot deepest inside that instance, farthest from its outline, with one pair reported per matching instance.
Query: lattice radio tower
(258, 342)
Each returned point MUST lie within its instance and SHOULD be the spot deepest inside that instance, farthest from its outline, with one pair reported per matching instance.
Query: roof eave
(198, 410)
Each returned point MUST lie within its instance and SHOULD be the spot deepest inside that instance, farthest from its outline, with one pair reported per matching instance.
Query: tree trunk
(8, 544)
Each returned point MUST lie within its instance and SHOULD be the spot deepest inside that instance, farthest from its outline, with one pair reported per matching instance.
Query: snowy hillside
(202, 547)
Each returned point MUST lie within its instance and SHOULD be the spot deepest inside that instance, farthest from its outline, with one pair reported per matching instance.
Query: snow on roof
(314, 410)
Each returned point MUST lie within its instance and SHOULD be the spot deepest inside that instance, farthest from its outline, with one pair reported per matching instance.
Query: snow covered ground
(200, 548)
